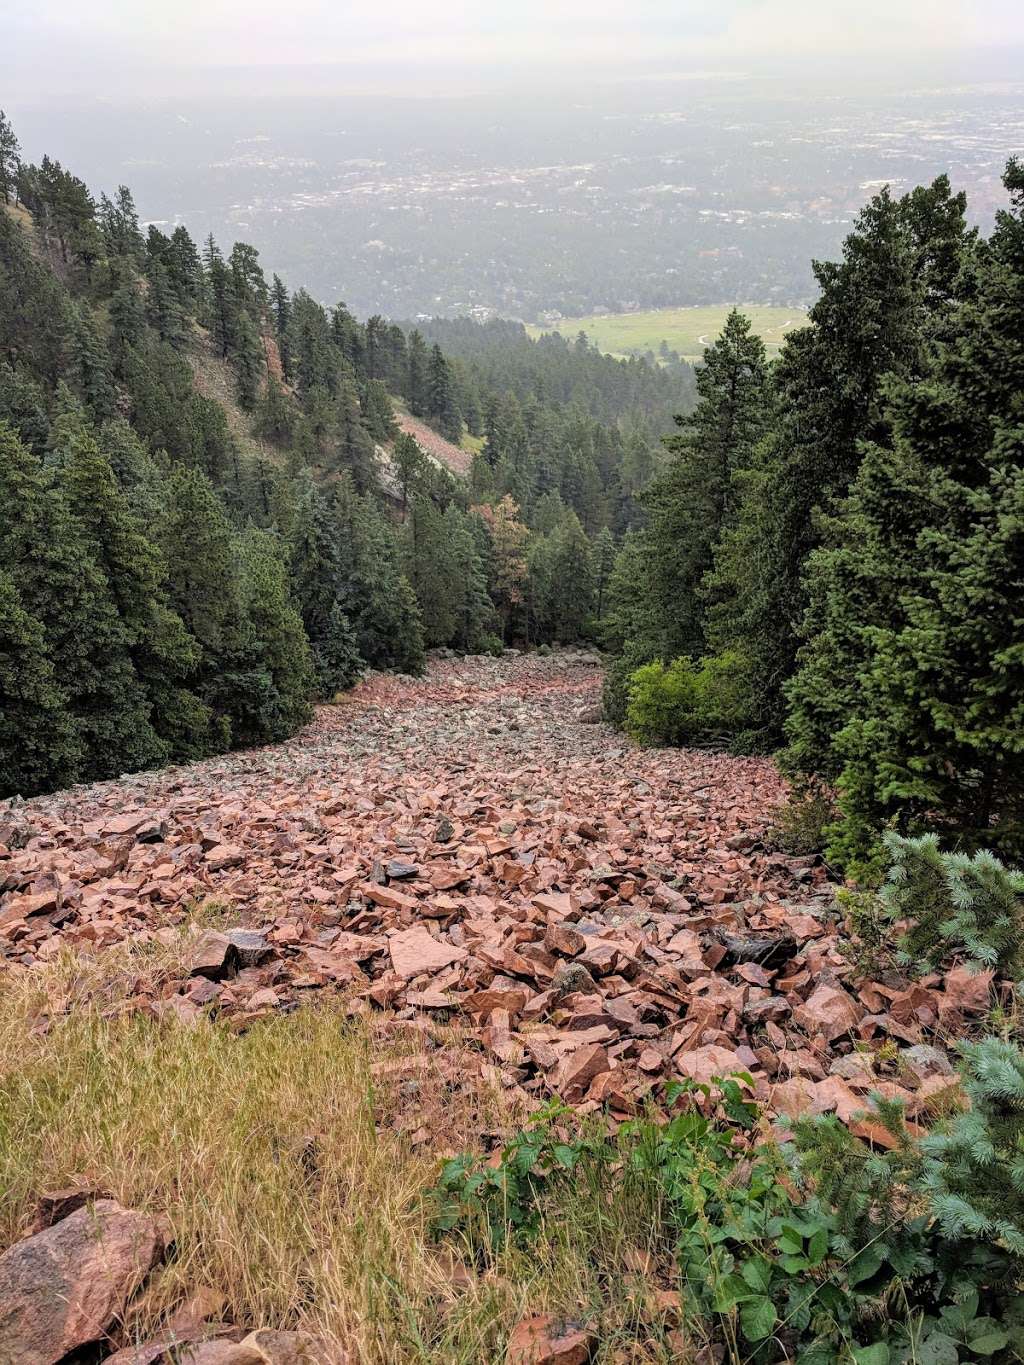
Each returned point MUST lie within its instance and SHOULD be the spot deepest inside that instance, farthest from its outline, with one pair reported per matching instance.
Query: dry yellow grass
(292, 1177)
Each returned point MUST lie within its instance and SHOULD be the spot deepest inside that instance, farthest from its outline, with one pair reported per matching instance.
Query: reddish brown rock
(415, 951)
(63, 1287)
(562, 938)
(828, 1011)
(965, 992)
(703, 1063)
(549, 1340)
(579, 1069)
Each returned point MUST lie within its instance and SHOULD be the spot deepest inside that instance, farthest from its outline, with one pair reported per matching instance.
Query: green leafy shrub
(686, 702)
(502, 1202)
(491, 644)
(955, 902)
(801, 823)
(618, 677)
(841, 1254)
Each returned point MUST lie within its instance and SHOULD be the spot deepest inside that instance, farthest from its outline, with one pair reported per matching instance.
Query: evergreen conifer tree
(912, 676)
(38, 746)
(46, 551)
(163, 654)
(10, 159)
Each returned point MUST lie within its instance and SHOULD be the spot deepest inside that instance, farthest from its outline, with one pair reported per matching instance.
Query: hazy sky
(81, 44)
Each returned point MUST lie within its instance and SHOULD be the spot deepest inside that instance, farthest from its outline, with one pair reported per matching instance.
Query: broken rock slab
(416, 951)
(62, 1288)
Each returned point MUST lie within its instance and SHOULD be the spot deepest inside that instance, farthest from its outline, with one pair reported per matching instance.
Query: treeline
(183, 573)
(561, 418)
(834, 559)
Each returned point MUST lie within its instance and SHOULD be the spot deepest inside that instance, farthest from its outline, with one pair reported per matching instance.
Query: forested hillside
(213, 518)
(834, 558)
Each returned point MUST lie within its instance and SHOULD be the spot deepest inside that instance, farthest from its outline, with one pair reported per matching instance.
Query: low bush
(688, 703)
(822, 1252)
(491, 644)
(801, 823)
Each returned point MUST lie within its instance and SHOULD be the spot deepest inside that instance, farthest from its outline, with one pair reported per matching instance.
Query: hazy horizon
(54, 49)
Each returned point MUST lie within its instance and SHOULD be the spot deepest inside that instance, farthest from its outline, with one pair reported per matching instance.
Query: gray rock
(854, 1066)
(926, 1060)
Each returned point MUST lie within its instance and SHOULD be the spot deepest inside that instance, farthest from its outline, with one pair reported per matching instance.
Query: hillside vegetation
(834, 558)
(215, 517)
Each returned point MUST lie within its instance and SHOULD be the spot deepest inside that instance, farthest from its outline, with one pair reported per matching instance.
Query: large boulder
(65, 1286)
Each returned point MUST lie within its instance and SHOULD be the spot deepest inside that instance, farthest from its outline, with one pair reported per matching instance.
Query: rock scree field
(250, 1003)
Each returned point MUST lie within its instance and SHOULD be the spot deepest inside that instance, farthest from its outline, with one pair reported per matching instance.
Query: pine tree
(912, 676)
(573, 567)
(418, 383)
(473, 610)
(249, 283)
(879, 308)
(281, 307)
(184, 268)
(38, 748)
(119, 222)
(222, 305)
(276, 701)
(442, 405)
(432, 571)
(248, 355)
(10, 159)
(320, 585)
(410, 465)
(91, 365)
(354, 450)
(46, 550)
(509, 570)
(378, 414)
(604, 563)
(163, 654)
(692, 504)
(205, 587)
(127, 323)
(275, 417)
(376, 596)
(164, 307)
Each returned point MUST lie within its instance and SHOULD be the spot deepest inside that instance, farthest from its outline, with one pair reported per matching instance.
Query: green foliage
(38, 749)
(89, 646)
(686, 703)
(944, 1214)
(973, 1171)
(278, 651)
(10, 158)
(955, 902)
(502, 1201)
(910, 686)
(492, 645)
(801, 823)
(913, 1254)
